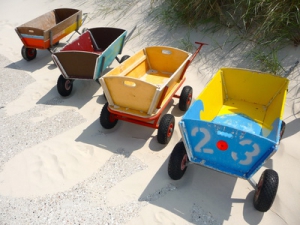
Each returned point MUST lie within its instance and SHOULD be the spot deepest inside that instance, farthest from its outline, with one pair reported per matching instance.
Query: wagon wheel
(185, 98)
(28, 53)
(266, 190)
(178, 161)
(124, 57)
(282, 129)
(56, 43)
(64, 86)
(165, 129)
(107, 119)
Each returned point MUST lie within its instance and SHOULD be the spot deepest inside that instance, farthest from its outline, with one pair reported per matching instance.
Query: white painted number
(249, 154)
(204, 141)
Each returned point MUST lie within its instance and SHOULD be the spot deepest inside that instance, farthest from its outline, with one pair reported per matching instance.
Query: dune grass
(271, 23)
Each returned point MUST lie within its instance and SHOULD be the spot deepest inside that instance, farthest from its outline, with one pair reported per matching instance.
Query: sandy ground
(59, 166)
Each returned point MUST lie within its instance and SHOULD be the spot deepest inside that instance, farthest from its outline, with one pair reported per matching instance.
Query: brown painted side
(56, 20)
(78, 65)
(38, 25)
(105, 36)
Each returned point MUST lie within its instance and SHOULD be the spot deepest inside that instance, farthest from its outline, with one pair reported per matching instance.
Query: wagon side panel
(67, 21)
(211, 99)
(165, 59)
(274, 112)
(169, 65)
(32, 32)
(110, 53)
(76, 65)
(250, 86)
(130, 93)
(226, 149)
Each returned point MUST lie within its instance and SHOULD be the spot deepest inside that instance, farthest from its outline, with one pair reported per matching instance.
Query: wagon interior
(141, 84)
(241, 98)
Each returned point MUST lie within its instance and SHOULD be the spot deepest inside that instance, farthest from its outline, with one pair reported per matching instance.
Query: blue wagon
(233, 127)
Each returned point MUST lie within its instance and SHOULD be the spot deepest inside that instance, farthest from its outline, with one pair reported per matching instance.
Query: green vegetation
(269, 24)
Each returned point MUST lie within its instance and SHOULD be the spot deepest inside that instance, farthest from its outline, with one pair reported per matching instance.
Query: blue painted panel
(108, 56)
(232, 148)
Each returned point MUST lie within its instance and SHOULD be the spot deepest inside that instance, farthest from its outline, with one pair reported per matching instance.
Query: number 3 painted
(249, 154)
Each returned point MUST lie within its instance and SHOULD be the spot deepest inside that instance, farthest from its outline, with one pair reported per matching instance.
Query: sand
(59, 166)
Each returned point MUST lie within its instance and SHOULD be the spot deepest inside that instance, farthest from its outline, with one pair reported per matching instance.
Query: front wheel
(64, 86)
(178, 161)
(166, 129)
(266, 190)
(28, 53)
(185, 98)
(107, 119)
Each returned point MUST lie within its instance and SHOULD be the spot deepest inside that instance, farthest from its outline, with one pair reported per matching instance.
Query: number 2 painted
(204, 141)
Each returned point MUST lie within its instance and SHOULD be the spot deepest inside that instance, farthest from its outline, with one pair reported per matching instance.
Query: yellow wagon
(140, 88)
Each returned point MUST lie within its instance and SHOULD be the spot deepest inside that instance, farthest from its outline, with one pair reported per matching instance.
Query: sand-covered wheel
(178, 161)
(28, 53)
(266, 190)
(185, 99)
(107, 119)
(166, 129)
(64, 86)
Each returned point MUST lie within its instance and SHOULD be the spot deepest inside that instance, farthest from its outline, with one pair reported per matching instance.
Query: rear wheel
(178, 161)
(266, 190)
(124, 58)
(107, 119)
(166, 129)
(282, 129)
(64, 86)
(28, 53)
(185, 98)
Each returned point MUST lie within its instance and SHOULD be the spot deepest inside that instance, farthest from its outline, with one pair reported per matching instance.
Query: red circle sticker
(222, 145)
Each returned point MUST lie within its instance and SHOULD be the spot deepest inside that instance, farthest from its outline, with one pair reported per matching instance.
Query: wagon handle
(192, 58)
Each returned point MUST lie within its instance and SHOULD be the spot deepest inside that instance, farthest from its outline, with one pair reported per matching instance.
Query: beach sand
(59, 166)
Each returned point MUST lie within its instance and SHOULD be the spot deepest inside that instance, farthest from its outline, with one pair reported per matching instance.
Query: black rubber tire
(177, 161)
(282, 129)
(124, 57)
(266, 190)
(56, 44)
(106, 118)
(185, 98)
(64, 86)
(28, 53)
(166, 129)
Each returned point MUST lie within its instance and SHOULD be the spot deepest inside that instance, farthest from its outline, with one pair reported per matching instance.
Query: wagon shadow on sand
(201, 196)
(131, 135)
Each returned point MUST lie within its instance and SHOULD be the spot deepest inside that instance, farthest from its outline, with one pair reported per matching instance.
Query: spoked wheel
(185, 98)
(64, 86)
(107, 119)
(178, 161)
(28, 53)
(282, 129)
(166, 129)
(124, 58)
(266, 190)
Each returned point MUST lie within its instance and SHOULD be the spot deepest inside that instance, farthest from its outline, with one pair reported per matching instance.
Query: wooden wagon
(233, 127)
(46, 30)
(86, 57)
(139, 89)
